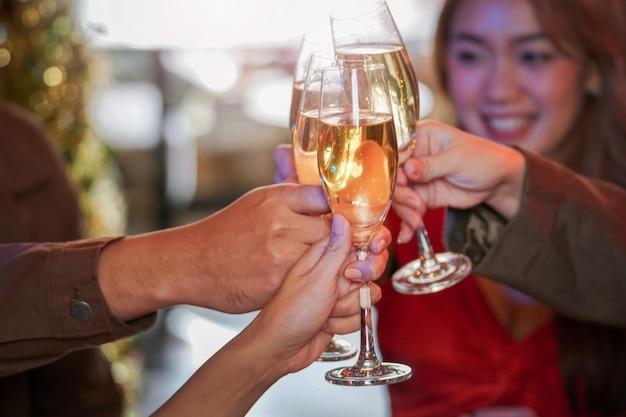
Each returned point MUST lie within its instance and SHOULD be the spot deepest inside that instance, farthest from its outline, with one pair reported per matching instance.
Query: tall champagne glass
(358, 164)
(304, 136)
(371, 30)
(304, 140)
(311, 42)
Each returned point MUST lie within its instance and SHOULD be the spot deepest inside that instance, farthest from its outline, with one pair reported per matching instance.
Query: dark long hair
(593, 356)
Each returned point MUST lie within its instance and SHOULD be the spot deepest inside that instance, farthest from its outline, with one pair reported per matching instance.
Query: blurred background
(167, 110)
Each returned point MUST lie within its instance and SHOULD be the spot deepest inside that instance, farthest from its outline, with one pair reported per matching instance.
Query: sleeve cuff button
(81, 311)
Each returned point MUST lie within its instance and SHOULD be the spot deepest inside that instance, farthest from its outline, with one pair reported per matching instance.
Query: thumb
(418, 169)
(307, 199)
(337, 249)
(283, 158)
(435, 155)
(340, 241)
(428, 168)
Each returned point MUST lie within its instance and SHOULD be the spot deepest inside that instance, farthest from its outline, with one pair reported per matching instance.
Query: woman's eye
(535, 58)
(467, 57)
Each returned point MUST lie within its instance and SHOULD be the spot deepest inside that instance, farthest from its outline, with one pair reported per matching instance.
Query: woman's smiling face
(507, 80)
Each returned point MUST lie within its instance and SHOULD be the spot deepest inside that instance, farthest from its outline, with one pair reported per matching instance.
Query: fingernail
(338, 226)
(409, 167)
(381, 244)
(415, 203)
(352, 273)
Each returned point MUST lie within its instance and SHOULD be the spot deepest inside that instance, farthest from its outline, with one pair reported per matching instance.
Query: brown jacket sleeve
(50, 303)
(566, 247)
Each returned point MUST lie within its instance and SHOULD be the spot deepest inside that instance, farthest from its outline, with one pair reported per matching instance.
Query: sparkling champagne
(358, 165)
(305, 147)
(403, 88)
(296, 94)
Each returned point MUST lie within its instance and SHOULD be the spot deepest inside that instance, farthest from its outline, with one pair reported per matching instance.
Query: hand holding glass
(304, 141)
(375, 33)
(358, 163)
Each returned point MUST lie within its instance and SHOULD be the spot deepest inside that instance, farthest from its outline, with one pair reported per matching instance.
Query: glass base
(384, 374)
(337, 350)
(428, 276)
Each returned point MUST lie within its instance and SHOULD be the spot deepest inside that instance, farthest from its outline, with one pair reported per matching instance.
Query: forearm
(144, 273)
(566, 246)
(506, 198)
(229, 383)
(132, 278)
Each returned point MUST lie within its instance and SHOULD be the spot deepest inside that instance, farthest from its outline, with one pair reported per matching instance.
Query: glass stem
(427, 254)
(367, 355)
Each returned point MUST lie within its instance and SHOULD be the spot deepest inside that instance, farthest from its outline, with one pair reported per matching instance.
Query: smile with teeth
(507, 123)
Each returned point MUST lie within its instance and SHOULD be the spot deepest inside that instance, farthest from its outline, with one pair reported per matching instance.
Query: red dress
(463, 359)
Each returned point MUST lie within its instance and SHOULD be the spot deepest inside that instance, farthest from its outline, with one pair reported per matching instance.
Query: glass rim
(341, 12)
(366, 65)
(333, 55)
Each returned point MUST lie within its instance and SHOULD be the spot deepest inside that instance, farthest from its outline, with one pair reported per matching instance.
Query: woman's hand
(452, 168)
(314, 302)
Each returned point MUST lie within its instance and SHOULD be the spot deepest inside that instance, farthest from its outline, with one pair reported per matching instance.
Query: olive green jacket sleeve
(566, 246)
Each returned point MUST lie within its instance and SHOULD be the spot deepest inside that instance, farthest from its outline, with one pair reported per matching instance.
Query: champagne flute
(304, 140)
(304, 136)
(358, 164)
(372, 31)
(311, 42)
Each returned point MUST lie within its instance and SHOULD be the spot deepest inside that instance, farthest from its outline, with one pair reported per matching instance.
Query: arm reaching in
(233, 261)
(94, 291)
(559, 236)
(452, 168)
(288, 334)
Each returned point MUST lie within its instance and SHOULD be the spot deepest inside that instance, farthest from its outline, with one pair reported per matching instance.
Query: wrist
(111, 280)
(235, 377)
(254, 343)
(132, 275)
(507, 196)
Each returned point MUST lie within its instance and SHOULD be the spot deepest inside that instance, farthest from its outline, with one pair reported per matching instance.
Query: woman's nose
(502, 84)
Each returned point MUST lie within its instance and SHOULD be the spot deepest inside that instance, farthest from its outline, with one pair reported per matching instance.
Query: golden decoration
(45, 68)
